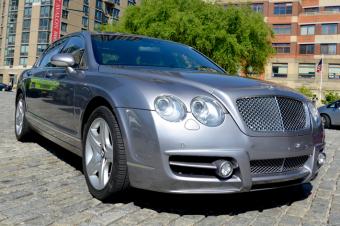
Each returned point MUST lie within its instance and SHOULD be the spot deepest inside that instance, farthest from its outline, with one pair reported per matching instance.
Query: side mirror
(63, 60)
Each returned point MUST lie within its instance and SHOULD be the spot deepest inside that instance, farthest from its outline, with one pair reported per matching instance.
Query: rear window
(136, 51)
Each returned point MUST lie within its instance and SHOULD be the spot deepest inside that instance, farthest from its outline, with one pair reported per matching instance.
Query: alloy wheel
(99, 153)
(19, 116)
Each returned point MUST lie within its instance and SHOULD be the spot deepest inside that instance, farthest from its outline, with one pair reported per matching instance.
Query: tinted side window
(51, 51)
(76, 47)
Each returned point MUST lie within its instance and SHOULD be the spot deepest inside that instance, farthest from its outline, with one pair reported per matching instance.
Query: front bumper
(151, 141)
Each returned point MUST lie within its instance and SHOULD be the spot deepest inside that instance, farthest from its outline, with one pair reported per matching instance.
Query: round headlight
(170, 108)
(207, 111)
(315, 113)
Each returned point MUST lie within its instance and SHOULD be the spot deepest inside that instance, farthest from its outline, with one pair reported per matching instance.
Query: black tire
(118, 180)
(25, 131)
(326, 121)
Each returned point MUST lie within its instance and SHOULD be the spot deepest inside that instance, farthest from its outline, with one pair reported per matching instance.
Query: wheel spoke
(103, 132)
(93, 166)
(102, 173)
(109, 153)
(94, 140)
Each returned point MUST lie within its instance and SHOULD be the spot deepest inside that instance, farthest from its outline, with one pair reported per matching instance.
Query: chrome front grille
(272, 166)
(272, 114)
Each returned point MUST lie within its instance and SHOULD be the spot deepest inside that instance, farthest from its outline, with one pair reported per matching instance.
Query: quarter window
(46, 58)
(280, 70)
(75, 46)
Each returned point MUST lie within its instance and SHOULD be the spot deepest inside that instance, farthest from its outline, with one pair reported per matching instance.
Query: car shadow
(212, 205)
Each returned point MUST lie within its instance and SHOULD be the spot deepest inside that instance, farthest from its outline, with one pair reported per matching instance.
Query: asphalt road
(42, 184)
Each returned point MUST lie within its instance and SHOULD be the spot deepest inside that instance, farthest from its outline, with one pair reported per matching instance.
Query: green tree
(306, 91)
(330, 97)
(236, 37)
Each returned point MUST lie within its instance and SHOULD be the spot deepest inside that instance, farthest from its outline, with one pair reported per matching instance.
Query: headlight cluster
(315, 113)
(206, 110)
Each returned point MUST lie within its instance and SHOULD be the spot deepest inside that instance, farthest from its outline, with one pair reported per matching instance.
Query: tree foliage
(235, 37)
(330, 97)
(306, 91)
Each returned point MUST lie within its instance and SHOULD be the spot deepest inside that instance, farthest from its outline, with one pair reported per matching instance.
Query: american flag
(319, 67)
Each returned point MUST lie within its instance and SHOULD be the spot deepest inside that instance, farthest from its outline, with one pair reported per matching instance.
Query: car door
(61, 103)
(337, 114)
(38, 86)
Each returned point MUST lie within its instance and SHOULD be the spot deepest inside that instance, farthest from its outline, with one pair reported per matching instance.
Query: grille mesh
(271, 166)
(272, 114)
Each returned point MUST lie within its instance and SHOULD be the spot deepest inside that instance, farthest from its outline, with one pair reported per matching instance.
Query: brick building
(28, 26)
(305, 30)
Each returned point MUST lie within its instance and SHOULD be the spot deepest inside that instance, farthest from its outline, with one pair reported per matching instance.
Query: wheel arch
(94, 103)
(325, 114)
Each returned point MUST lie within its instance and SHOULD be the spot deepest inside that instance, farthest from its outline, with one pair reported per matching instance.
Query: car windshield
(136, 51)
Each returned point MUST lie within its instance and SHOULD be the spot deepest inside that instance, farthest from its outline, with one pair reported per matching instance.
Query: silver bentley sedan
(159, 115)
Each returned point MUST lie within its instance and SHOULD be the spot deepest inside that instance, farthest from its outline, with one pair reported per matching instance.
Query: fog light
(224, 168)
(321, 158)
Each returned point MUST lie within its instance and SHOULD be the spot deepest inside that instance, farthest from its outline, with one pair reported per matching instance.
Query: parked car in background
(4, 87)
(330, 114)
(159, 115)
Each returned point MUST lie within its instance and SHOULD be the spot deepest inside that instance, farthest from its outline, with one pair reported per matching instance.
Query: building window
(307, 29)
(63, 27)
(26, 25)
(281, 47)
(85, 21)
(283, 8)
(44, 24)
(11, 39)
(12, 78)
(115, 13)
(312, 10)
(45, 11)
(282, 29)
(334, 71)
(99, 4)
(329, 29)
(86, 2)
(131, 2)
(11, 28)
(9, 52)
(257, 7)
(43, 37)
(41, 48)
(280, 70)
(9, 61)
(25, 37)
(117, 2)
(23, 61)
(24, 50)
(332, 9)
(329, 49)
(27, 12)
(65, 3)
(86, 10)
(306, 49)
(64, 14)
(99, 15)
(1, 78)
(306, 70)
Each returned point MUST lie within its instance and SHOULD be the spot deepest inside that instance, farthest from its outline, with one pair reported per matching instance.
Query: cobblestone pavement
(42, 184)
